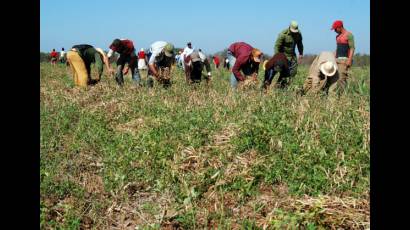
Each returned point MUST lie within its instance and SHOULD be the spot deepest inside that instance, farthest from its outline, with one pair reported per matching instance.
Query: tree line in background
(358, 60)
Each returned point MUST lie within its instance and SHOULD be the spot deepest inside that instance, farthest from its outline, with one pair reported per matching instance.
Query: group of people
(54, 57)
(328, 72)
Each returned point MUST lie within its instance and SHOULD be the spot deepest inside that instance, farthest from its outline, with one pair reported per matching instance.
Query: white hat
(142, 49)
(328, 68)
(99, 50)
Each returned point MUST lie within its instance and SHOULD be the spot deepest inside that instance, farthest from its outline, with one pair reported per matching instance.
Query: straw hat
(328, 68)
(256, 53)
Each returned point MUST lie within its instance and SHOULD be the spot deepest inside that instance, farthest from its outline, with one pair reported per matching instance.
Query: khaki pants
(343, 73)
(78, 68)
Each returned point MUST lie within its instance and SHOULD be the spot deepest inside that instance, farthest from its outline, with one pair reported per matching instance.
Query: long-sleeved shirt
(287, 42)
(314, 72)
(242, 52)
(277, 59)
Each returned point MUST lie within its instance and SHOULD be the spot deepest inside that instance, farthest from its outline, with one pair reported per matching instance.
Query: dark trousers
(270, 74)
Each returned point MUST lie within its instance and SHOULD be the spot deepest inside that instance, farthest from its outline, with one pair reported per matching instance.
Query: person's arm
(98, 64)
(235, 69)
(107, 65)
(207, 67)
(351, 50)
(299, 44)
(151, 64)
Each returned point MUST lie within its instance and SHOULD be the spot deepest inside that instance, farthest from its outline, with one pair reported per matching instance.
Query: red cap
(337, 24)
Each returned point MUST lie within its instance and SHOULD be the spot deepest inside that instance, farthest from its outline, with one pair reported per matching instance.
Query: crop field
(203, 157)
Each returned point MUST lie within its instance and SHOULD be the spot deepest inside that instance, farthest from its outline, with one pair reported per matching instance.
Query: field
(202, 158)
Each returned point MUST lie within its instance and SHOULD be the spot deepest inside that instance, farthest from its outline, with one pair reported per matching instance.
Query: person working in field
(160, 58)
(80, 58)
(243, 57)
(54, 56)
(187, 51)
(216, 62)
(323, 74)
(195, 63)
(142, 64)
(344, 52)
(63, 57)
(277, 64)
(126, 50)
(286, 43)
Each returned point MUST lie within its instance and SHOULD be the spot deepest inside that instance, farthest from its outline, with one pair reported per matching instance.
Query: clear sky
(211, 24)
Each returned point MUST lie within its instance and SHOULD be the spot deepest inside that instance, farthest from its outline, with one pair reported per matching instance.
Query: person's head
(54, 50)
(169, 50)
(337, 26)
(328, 68)
(189, 45)
(62, 49)
(142, 49)
(256, 55)
(116, 42)
(294, 27)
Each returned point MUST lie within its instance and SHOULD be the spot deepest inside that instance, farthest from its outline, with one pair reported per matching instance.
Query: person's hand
(125, 70)
(300, 58)
(255, 77)
(348, 63)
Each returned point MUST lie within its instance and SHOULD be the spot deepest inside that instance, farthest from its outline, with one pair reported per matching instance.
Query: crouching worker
(243, 57)
(160, 58)
(126, 50)
(194, 64)
(80, 58)
(323, 75)
(277, 64)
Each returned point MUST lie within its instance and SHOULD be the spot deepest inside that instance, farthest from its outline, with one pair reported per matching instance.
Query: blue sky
(211, 25)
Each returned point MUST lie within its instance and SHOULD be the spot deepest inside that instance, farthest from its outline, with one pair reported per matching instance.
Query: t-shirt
(53, 54)
(156, 49)
(62, 54)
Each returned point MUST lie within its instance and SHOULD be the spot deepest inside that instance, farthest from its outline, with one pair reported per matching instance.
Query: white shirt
(156, 49)
(62, 53)
(187, 51)
(202, 56)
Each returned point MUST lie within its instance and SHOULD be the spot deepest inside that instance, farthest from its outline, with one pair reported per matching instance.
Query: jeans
(232, 60)
(134, 70)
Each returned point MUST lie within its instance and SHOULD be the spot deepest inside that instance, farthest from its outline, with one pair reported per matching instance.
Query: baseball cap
(294, 26)
(169, 50)
(337, 24)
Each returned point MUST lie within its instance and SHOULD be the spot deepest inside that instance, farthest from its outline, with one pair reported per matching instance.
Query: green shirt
(286, 43)
(91, 55)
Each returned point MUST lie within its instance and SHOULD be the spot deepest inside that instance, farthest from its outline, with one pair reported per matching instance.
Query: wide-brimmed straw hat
(328, 68)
